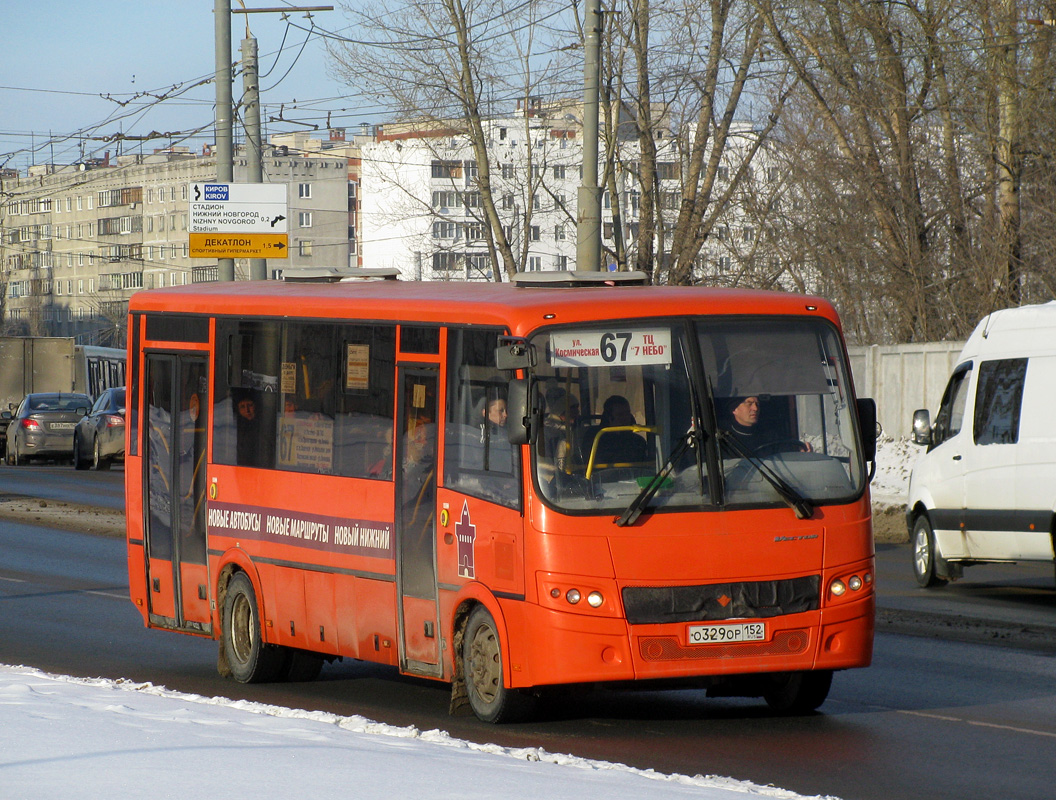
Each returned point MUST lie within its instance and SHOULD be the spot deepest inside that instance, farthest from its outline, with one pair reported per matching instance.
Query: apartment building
(421, 209)
(76, 241)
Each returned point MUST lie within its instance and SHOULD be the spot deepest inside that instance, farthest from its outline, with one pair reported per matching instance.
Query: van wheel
(489, 698)
(249, 658)
(923, 546)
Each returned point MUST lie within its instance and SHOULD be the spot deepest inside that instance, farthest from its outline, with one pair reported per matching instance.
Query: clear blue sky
(57, 58)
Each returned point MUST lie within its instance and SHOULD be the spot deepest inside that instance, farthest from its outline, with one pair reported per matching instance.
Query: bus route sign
(238, 220)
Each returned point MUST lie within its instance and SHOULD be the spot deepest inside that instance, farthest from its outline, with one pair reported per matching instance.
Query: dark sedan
(43, 426)
(99, 438)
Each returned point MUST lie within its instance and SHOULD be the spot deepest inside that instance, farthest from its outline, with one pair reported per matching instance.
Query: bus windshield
(727, 412)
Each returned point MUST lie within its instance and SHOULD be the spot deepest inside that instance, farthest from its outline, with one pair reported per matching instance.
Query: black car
(42, 427)
(99, 438)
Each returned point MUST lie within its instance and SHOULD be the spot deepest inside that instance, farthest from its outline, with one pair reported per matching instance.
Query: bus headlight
(838, 587)
(855, 583)
(573, 596)
(595, 599)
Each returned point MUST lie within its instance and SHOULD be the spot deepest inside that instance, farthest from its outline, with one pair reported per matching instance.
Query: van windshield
(748, 396)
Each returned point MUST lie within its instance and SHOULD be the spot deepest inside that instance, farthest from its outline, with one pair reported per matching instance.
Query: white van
(985, 491)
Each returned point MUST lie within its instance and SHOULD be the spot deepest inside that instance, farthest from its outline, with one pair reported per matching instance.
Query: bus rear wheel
(248, 657)
(799, 692)
(482, 668)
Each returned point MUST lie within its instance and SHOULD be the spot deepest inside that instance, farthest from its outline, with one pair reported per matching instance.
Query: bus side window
(479, 459)
(244, 398)
(365, 401)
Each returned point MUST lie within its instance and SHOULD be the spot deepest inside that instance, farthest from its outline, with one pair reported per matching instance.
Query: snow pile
(76, 738)
(894, 463)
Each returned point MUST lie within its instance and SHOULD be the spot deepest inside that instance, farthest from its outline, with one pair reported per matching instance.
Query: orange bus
(506, 487)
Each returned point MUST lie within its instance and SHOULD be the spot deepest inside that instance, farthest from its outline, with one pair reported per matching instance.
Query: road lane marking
(978, 723)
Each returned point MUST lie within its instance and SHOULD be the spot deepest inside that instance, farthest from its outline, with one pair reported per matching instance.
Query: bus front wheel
(482, 667)
(248, 657)
(799, 692)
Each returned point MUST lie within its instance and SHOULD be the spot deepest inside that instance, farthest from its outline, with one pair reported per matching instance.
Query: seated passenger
(619, 447)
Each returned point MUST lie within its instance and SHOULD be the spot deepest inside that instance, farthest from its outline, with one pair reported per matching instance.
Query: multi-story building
(422, 213)
(76, 241)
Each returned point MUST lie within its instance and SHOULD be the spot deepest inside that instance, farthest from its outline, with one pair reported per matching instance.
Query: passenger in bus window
(561, 412)
(494, 424)
(619, 447)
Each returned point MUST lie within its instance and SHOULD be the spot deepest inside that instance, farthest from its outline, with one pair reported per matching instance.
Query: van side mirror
(921, 426)
(867, 419)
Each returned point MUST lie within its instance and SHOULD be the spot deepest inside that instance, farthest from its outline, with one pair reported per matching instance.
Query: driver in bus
(744, 428)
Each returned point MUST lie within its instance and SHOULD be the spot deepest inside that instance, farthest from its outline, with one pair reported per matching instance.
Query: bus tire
(482, 668)
(799, 692)
(302, 666)
(922, 544)
(248, 657)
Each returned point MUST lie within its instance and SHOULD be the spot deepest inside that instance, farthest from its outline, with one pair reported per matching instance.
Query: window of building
(559, 171)
(535, 233)
(304, 191)
(535, 263)
(445, 230)
(667, 170)
(507, 202)
(475, 231)
(445, 199)
(446, 262)
(561, 263)
(507, 170)
(304, 247)
(446, 169)
(559, 232)
(304, 219)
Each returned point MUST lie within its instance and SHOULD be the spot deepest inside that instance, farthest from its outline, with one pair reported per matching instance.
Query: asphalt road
(963, 708)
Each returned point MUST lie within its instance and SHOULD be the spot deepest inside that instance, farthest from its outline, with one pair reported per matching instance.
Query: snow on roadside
(82, 739)
(894, 463)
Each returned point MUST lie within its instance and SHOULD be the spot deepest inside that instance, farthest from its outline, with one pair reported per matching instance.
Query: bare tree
(694, 68)
(436, 63)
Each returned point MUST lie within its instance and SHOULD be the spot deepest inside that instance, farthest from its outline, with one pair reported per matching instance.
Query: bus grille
(668, 648)
(651, 605)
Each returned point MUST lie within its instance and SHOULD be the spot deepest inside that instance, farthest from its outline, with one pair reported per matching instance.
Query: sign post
(238, 220)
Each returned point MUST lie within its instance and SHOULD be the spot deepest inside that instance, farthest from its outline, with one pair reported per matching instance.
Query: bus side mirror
(921, 426)
(514, 353)
(867, 419)
(522, 413)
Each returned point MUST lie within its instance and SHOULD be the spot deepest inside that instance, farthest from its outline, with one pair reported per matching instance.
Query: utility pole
(225, 170)
(258, 267)
(588, 210)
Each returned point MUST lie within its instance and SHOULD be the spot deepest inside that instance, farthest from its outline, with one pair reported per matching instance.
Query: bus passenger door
(416, 454)
(177, 407)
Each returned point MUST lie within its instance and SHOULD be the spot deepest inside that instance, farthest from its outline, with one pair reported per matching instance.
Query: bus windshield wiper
(634, 510)
(803, 507)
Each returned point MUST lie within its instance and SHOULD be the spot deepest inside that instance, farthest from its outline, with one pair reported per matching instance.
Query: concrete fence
(902, 378)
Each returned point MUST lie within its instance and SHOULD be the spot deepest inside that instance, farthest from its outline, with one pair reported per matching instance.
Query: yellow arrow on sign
(239, 245)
